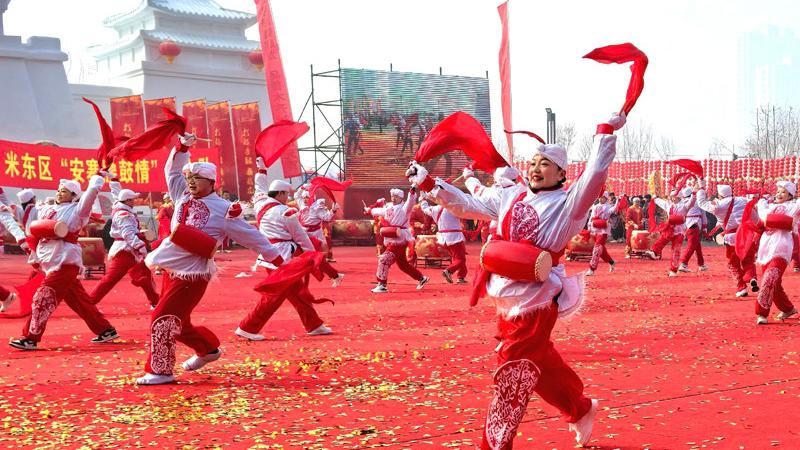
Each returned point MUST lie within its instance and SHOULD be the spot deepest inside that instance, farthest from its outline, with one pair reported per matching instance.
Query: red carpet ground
(675, 362)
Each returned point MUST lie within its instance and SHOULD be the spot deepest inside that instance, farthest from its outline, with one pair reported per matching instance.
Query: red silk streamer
(651, 215)
(276, 138)
(106, 133)
(328, 185)
(505, 76)
(748, 231)
(460, 131)
(623, 53)
(691, 165)
(290, 273)
(527, 133)
(155, 138)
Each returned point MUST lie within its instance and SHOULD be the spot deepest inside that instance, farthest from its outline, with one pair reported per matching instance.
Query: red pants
(396, 253)
(772, 288)
(4, 293)
(742, 270)
(298, 295)
(122, 263)
(528, 362)
(171, 322)
(676, 240)
(692, 246)
(62, 284)
(458, 259)
(599, 251)
(329, 241)
(796, 251)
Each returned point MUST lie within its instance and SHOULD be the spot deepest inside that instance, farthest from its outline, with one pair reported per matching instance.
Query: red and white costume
(8, 222)
(600, 227)
(186, 273)
(313, 218)
(673, 230)
(29, 211)
(504, 177)
(775, 252)
(729, 211)
(128, 250)
(527, 311)
(396, 216)
(450, 236)
(279, 223)
(695, 228)
(62, 262)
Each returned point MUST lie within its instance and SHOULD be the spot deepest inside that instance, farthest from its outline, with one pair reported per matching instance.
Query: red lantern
(256, 58)
(169, 50)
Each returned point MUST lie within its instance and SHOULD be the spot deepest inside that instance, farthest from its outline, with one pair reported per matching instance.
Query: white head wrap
(127, 194)
(203, 169)
(71, 185)
(789, 186)
(554, 152)
(724, 191)
(506, 176)
(397, 193)
(25, 195)
(686, 192)
(279, 186)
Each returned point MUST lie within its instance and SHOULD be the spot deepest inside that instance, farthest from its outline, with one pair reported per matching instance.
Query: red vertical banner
(196, 120)
(246, 126)
(277, 90)
(127, 116)
(154, 109)
(505, 77)
(221, 135)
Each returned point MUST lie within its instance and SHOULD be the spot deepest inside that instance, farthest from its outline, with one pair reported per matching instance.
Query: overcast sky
(691, 84)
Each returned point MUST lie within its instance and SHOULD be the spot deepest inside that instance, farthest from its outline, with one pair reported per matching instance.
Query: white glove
(260, 163)
(416, 174)
(467, 173)
(24, 246)
(96, 181)
(367, 210)
(617, 121)
(188, 139)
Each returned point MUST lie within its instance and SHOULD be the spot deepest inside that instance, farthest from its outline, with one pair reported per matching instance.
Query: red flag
(151, 140)
(460, 131)
(106, 133)
(689, 164)
(505, 76)
(197, 121)
(619, 54)
(328, 186)
(220, 132)
(276, 138)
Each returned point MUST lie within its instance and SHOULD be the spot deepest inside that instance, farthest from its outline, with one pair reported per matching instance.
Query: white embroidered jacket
(209, 214)
(602, 211)
(548, 219)
(719, 208)
(125, 228)
(398, 216)
(280, 223)
(776, 243)
(445, 220)
(313, 217)
(51, 254)
(681, 208)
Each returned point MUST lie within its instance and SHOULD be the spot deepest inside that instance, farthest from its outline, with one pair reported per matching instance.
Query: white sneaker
(785, 315)
(338, 280)
(380, 289)
(742, 293)
(611, 267)
(321, 330)
(627, 256)
(703, 268)
(684, 268)
(4, 304)
(150, 379)
(761, 320)
(583, 427)
(589, 272)
(673, 274)
(197, 362)
(651, 254)
(246, 335)
(423, 282)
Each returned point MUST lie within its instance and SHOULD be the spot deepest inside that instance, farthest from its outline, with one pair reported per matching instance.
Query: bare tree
(565, 135)
(775, 134)
(664, 149)
(635, 143)
(584, 148)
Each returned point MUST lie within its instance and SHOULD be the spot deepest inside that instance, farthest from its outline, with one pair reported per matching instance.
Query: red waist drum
(194, 241)
(779, 222)
(49, 229)
(599, 223)
(391, 232)
(515, 260)
(676, 219)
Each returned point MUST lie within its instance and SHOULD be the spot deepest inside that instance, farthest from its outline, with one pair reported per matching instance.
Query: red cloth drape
(328, 185)
(155, 138)
(26, 292)
(290, 273)
(106, 133)
(461, 131)
(748, 231)
(274, 140)
(622, 53)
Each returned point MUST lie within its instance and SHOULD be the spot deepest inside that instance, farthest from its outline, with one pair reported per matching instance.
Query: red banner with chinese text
(221, 135)
(246, 126)
(277, 90)
(154, 112)
(196, 121)
(127, 116)
(41, 166)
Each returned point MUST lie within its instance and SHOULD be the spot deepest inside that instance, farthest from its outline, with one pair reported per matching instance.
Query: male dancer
(396, 236)
(201, 220)
(600, 227)
(695, 228)
(673, 230)
(279, 223)
(545, 216)
(450, 236)
(61, 261)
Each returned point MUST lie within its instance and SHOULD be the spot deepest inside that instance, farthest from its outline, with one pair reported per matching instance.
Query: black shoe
(23, 344)
(106, 336)
(462, 281)
(754, 285)
(447, 276)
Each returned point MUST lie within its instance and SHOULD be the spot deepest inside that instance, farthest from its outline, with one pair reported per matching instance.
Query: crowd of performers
(531, 218)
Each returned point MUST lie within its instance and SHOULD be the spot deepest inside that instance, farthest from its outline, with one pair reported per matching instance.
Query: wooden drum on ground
(93, 251)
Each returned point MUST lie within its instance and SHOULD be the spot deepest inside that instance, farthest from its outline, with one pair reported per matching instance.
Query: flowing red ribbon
(276, 138)
(623, 53)
(461, 131)
(154, 139)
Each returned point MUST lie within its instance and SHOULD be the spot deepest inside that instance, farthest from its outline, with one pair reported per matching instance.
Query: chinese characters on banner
(41, 167)
(219, 131)
(154, 112)
(195, 113)
(246, 126)
(127, 116)
(277, 90)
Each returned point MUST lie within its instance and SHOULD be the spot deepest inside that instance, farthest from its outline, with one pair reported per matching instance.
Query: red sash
(264, 211)
(26, 215)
